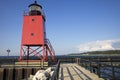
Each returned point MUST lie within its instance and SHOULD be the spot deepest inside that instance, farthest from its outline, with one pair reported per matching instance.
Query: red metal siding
(33, 30)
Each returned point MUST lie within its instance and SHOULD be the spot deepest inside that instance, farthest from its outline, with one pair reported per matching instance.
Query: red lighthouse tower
(34, 41)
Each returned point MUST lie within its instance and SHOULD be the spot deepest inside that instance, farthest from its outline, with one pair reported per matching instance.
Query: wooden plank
(75, 72)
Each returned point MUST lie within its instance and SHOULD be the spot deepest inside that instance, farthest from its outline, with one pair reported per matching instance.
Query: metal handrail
(49, 43)
(26, 13)
(56, 72)
(88, 64)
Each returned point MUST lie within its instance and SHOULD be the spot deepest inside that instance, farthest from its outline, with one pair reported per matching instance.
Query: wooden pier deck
(72, 71)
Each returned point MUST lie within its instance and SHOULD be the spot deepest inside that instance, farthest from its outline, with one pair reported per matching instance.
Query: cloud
(100, 45)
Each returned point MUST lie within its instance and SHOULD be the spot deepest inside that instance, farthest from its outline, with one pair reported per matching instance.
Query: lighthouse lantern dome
(35, 9)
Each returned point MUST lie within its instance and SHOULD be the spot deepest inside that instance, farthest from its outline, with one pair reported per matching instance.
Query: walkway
(72, 71)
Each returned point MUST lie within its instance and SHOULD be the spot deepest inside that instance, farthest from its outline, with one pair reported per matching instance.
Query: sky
(72, 26)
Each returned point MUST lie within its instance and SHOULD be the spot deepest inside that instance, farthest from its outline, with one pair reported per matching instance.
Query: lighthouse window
(32, 8)
(33, 19)
(32, 34)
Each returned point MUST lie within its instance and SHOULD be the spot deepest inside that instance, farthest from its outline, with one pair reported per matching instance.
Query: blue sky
(70, 25)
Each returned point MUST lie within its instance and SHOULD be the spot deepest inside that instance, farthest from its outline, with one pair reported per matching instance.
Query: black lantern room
(35, 9)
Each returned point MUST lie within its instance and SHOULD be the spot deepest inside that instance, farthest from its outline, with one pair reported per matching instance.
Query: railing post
(81, 64)
(14, 63)
(58, 70)
(85, 64)
(113, 71)
(98, 70)
(90, 65)
(78, 61)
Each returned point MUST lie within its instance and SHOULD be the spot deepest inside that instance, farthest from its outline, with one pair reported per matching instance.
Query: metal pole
(8, 51)
(113, 71)
(14, 63)
(98, 70)
(90, 65)
(28, 55)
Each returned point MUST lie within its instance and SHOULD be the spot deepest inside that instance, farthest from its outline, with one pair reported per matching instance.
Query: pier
(72, 71)
(67, 68)
(87, 68)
